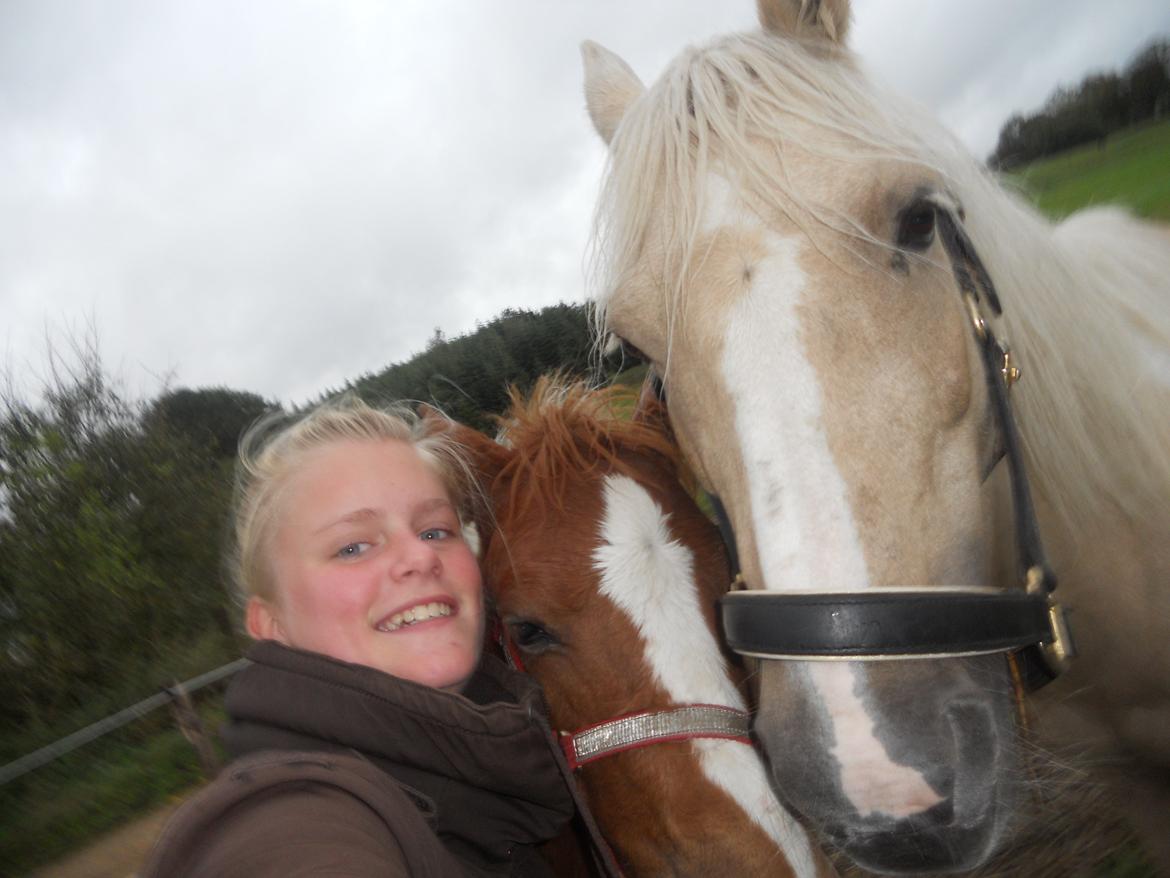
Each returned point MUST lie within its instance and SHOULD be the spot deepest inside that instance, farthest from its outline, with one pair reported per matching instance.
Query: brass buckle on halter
(1008, 369)
(977, 321)
(1059, 652)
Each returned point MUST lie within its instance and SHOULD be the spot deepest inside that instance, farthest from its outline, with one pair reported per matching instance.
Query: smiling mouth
(414, 615)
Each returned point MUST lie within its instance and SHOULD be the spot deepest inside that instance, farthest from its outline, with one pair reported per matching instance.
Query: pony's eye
(916, 226)
(531, 637)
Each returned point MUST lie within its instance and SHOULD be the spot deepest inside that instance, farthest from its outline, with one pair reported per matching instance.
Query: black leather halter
(930, 621)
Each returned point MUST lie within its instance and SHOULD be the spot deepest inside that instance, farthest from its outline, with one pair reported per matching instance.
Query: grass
(633, 376)
(1131, 168)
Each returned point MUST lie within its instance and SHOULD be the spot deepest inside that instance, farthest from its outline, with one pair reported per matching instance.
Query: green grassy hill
(1131, 168)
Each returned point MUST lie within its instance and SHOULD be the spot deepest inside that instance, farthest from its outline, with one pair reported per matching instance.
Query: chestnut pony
(787, 243)
(606, 575)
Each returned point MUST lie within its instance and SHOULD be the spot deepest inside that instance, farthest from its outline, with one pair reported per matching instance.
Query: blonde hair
(273, 447)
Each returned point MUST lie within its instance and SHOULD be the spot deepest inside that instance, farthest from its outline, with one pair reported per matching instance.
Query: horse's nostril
(976, 744)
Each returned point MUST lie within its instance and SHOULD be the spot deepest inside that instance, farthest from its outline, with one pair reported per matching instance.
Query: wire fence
(169, 695)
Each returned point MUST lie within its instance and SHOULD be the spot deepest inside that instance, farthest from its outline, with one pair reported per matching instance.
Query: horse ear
(828, 19)
(610, 87)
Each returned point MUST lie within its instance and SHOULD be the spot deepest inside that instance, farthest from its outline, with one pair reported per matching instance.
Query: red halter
(685, 723)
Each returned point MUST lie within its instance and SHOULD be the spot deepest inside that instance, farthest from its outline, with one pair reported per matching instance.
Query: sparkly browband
(655, 727)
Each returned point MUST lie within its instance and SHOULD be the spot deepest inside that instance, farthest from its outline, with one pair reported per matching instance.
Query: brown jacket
(346, 771)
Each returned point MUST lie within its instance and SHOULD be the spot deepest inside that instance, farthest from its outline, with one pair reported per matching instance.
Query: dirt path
(117, 855)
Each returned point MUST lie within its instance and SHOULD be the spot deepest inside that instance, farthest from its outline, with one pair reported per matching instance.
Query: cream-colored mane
(1087, 303)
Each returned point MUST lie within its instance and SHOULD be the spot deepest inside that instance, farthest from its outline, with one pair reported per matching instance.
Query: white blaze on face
(873, 783)
(806, 535)
(650, 577)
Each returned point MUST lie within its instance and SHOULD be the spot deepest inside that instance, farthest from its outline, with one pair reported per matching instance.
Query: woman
(371, 735)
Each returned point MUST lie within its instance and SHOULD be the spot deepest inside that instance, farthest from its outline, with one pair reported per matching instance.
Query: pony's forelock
(566, 430)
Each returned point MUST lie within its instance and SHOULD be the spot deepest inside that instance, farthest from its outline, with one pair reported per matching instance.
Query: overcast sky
(276, 196)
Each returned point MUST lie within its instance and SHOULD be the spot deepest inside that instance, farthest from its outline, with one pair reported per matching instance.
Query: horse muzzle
(955, 835)
(933, 785)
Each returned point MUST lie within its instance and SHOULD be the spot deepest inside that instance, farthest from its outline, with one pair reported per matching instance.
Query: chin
(451, 675)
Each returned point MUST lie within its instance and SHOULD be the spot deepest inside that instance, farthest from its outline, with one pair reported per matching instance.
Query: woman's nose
(411, 556)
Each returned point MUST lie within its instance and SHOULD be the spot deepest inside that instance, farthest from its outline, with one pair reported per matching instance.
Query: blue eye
(352, 550)
(434, 533)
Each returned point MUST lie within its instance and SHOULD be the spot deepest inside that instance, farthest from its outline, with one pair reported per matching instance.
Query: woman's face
(370, 566)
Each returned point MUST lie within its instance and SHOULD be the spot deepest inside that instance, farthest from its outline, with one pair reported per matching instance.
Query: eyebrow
(436, 503)
(355, 517)
(364, 514)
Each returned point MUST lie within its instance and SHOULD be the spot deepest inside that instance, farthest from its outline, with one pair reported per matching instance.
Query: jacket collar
(483, 760)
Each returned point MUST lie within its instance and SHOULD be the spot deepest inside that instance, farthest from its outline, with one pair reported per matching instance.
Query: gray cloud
(278, 195)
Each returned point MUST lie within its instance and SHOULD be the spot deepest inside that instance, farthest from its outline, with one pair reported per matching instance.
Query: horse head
(786, 244)
(606, 577)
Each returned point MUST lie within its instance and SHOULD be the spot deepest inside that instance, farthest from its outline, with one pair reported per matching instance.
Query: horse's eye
(916, 226)
(531, 637)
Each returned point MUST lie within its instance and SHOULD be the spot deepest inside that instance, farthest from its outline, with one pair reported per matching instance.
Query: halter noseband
(926, 622)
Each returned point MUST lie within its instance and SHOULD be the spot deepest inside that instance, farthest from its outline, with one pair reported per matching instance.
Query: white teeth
(415, 614)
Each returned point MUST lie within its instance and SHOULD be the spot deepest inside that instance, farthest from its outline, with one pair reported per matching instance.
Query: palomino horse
(813, 267)
(606, 576)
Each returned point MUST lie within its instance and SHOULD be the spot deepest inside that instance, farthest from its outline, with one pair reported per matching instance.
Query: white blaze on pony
(650, 577)
(785, 242)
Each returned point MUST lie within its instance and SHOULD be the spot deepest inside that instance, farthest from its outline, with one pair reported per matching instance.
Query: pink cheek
(332, 596)
(473, 574)
(465, 563)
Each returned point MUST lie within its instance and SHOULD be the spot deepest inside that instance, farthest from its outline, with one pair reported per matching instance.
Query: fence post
(191, 725)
